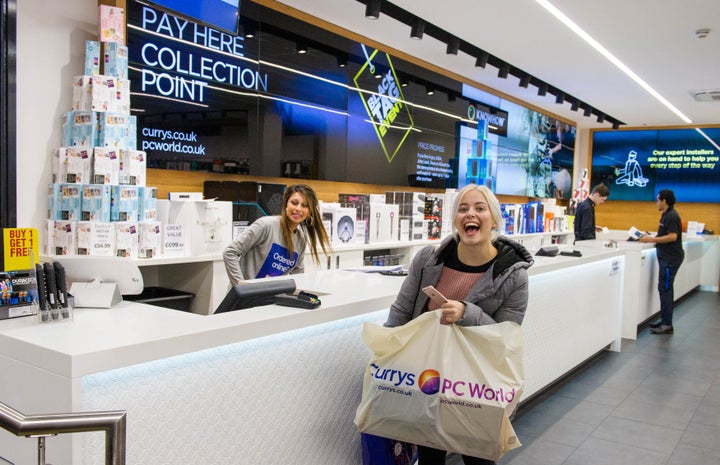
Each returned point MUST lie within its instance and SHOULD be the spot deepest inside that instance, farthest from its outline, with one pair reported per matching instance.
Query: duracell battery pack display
(18, 293)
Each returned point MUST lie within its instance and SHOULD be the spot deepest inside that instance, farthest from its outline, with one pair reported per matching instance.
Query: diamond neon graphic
(385, 104)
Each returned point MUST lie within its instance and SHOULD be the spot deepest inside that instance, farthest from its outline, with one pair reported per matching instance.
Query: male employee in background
(670, 255)
(584, 224)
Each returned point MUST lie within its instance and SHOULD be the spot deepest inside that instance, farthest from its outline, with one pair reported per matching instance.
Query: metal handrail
(112, 422)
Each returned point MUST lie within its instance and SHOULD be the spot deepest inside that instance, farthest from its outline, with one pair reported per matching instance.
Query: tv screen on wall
(636, 164)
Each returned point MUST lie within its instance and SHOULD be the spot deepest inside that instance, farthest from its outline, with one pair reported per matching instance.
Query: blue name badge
(277, 262)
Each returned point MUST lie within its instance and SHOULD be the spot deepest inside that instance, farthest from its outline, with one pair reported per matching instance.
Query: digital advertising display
(637, 164)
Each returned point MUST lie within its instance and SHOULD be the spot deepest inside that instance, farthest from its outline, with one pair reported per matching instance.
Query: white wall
(50, 46)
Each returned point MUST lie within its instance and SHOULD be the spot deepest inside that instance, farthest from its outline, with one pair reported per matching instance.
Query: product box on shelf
(106, 165)
(434, 214)
(91, 93)
(207, 224)
(150, 236)
(420, 230)
(127, 239)
(115, 58)
(62, 237)
(125, 205)
(92, 57)
(361, 198)
(344, 226)
(112, 130)
(362, 225)
(133, 167)
(96, 238)
(119, 92)
(96, 200)
(132, 133)
(79, 129)
(72, 165)
(384, 223)
(111, 24)
(64, 202)
(148, 203)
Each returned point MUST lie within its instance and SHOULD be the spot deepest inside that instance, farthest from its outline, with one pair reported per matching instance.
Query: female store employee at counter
(275, 245)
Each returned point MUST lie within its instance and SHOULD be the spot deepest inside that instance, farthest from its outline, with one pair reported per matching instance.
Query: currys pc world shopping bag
(443, 386)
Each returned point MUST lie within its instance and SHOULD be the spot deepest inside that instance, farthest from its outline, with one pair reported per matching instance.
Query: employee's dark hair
(602, 190)
(667, 195)
(313, 225)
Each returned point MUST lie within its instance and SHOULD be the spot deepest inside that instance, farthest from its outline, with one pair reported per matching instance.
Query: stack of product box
(379, 219)
(534, 217)
(98, 203)
(411, 213)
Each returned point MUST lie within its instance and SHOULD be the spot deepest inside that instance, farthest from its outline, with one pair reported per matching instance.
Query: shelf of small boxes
(98, 203)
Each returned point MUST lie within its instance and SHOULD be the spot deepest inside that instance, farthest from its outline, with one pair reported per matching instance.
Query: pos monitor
(255, 294)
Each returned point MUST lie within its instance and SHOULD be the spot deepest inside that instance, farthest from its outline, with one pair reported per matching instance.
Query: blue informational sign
(221, 14)
(637, 164)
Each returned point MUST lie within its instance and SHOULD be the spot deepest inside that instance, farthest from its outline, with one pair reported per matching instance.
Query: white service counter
(641, 300)
(264, 385)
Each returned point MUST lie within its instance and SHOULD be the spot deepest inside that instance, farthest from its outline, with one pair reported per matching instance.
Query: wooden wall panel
(645, 215)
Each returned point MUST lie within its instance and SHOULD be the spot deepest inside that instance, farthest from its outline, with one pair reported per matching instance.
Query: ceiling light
(503, 70)
(702, 33)
(429, 90)
(249, 30)
(601, 117)
(453, 46)
(616, 125)
(301, 48)
(588, 111)
(372, 9)
(612, 58)
(542, 89)
(342, 60)
(417, 29)
(575, 105)
(560, 98)
(482, 60)
(524, 81)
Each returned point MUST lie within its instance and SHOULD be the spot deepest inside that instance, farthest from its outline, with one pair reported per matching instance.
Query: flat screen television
(255, 294)
(637, 164)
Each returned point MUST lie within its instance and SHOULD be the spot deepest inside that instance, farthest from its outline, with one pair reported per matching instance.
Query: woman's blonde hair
(493, 205)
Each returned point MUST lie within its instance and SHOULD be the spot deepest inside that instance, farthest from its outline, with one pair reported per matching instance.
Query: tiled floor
(657, 402)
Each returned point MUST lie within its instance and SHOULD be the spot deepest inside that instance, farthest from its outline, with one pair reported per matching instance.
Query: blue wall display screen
(222, 14)
(636, 164)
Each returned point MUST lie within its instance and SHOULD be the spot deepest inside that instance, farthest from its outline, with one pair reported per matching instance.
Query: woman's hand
(452, 311)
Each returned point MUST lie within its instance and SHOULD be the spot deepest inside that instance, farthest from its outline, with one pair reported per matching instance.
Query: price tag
(173, 240)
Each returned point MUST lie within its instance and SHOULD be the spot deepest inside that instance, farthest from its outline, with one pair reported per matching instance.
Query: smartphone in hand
(435, 296)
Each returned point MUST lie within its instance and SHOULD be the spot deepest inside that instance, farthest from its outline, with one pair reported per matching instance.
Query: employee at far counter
(584, 223)
(275, 245)
(670, 255)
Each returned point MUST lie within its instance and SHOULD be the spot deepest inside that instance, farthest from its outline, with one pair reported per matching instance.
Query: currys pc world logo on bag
(430, 382)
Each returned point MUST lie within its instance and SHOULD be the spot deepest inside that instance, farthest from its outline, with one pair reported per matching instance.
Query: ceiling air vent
(707, 95)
